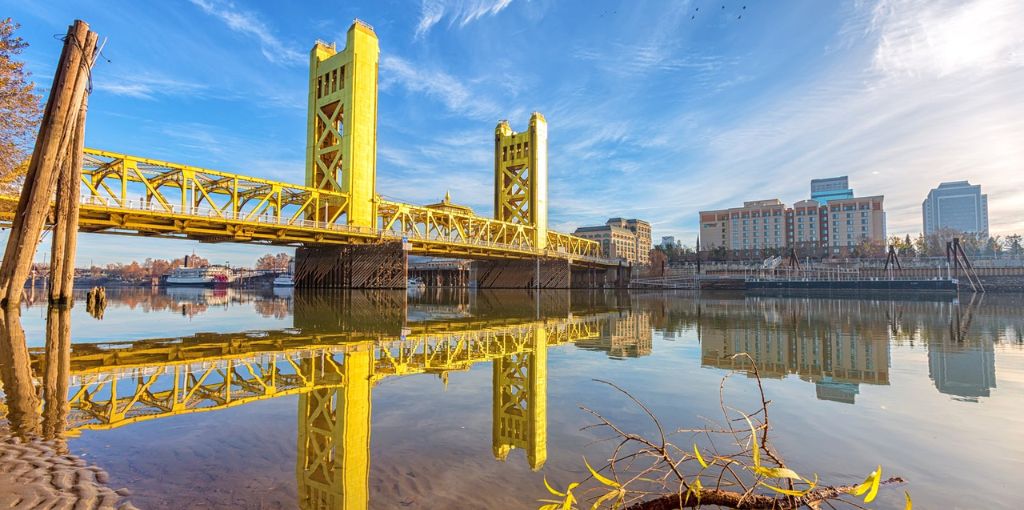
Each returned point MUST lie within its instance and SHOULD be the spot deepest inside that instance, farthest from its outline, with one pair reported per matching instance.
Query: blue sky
(656, 109)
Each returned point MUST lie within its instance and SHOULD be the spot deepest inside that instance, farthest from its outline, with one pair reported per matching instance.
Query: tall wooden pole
(55, 137)
(65, 232)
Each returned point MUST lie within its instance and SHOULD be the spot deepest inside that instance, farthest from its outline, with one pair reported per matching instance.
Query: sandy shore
(33, 474)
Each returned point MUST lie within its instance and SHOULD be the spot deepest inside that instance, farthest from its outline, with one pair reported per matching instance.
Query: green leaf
(700, 459)
(910, 504)
(552, 490)
(777, 473)
(607, 481)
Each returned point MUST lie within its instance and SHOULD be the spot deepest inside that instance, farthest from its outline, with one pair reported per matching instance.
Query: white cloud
(143, 86)
(937, 38)
(247, 23)
(459, 12)
(447, 89)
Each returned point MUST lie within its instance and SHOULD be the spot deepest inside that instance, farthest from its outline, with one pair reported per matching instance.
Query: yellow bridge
(338, 203)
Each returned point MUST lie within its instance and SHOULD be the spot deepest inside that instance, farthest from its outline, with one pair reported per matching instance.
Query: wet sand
(34, 474)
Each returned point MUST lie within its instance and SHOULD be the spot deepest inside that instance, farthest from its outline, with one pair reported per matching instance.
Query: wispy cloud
(458, 12)
(249, 24)
(437, 84)
(142, 86)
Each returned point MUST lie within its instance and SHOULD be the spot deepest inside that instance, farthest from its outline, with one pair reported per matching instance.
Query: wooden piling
(53, 144)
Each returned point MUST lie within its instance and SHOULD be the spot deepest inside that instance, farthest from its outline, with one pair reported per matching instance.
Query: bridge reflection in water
(341, 345)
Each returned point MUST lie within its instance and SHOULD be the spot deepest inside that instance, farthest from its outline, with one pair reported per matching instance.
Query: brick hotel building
(834, 227)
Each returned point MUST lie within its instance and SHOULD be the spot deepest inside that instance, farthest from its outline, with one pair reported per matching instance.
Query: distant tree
(271, 262)
(1014, 245)
(909, 246)
(19, 109)
(994, 246)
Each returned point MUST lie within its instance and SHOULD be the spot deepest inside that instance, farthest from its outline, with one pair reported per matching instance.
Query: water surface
(467, 399)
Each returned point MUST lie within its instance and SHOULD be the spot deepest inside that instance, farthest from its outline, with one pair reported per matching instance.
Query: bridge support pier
(546, 274)
(367, 266)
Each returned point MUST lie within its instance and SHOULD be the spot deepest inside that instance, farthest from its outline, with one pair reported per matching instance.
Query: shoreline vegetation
(730, 464)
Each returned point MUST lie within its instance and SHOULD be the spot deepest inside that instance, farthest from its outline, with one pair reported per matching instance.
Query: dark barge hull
(943, 286)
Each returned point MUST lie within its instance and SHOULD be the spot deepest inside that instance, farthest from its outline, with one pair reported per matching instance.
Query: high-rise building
(668, 241)
(831, 188)
(629, 240)
(956, 205)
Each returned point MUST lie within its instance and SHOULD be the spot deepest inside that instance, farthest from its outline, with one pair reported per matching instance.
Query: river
(202, 398)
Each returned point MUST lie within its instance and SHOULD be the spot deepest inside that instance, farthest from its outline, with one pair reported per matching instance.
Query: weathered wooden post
(52, 151)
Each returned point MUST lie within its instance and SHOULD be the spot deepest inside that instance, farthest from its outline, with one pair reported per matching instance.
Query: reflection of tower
(333, 462)
(962, 372)
(520, 402)
(964, 367)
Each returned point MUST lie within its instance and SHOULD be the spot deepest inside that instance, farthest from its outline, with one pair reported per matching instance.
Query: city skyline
(868, 91)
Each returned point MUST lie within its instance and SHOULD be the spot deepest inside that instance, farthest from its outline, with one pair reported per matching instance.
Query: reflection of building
(629, 240)
(956, 205)
(628, 336)
(836, 361)
(963, 372)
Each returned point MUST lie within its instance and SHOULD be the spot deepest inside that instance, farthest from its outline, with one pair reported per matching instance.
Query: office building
(628, 240)
(668, 241)
(832, 188)
(957, 206)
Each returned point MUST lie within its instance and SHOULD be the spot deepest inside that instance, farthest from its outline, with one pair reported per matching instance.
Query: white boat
(201, 276)
(284, 280)
(415, 284)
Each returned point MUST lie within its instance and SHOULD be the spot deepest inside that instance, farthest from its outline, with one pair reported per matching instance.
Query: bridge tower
(341, 134)
(520, 402)
(333, 461)
(521, 176)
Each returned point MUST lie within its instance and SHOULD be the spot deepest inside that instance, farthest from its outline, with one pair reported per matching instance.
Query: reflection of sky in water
(930, 390)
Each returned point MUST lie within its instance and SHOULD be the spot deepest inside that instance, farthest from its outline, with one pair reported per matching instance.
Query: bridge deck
(130, 195)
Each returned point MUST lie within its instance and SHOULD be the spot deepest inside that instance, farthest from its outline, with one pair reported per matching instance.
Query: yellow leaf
(870, 485)
(552, 490)
(695, 488)
(607, 481)
(910, 504)
(553, 506)
(606, 497)
(874, 486)
(755, 450)
(787, 492)
(777, 473)
(569, 498)
(700, 459)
